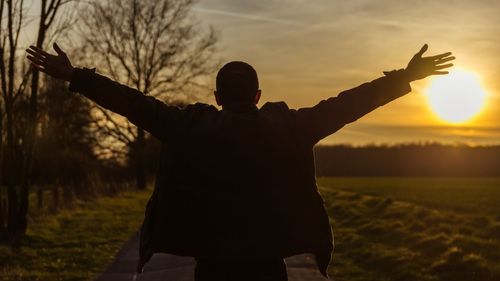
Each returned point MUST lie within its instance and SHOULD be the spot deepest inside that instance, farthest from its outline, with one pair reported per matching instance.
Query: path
(168, 267)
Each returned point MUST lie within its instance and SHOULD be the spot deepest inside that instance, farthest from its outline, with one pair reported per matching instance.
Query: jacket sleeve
(144, 111)
(328, 116)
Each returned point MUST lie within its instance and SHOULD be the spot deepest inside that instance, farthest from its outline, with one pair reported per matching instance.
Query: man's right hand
(58, 66)
(420, 67)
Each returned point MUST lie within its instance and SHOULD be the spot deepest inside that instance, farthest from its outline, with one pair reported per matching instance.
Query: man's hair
(237, 82)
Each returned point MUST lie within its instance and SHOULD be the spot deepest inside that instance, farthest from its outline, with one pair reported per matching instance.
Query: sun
(457, 97)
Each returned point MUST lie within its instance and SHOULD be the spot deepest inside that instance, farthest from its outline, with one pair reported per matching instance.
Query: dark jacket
(237, 183)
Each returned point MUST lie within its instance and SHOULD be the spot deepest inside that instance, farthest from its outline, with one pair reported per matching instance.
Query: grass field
(386, 229)
(459, 194)
(414, 228)
(75, 244)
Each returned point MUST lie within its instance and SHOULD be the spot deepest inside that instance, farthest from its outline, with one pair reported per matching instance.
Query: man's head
(237, 83)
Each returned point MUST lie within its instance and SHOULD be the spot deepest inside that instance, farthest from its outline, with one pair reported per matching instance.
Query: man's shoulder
(196, 111)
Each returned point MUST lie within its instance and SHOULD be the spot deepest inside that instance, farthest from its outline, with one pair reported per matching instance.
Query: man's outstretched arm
(144, 111)
(330, 115)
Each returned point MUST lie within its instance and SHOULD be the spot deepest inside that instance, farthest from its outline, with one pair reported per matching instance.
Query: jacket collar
(240, 107)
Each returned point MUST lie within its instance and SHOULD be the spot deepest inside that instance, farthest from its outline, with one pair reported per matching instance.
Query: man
(236, 187)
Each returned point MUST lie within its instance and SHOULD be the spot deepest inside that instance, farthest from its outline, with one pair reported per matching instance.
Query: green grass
(459, 194)
(75, 244)
(394, 231)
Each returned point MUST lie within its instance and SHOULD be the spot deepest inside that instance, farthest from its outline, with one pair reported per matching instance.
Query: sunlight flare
(456, 98)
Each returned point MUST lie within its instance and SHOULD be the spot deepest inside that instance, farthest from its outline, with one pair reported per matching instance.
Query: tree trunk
(22, 225)
(55, 198)
(39, 197)
(29, 147)
(2, 205)
(12, 196)
(1, 211)
(2, 220)
(2, 214)
(139, 159)
(12, 207)
(67, 194)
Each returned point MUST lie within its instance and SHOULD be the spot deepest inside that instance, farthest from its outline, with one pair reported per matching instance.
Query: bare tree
(13, 83)
(48, 11)
(19, 110)
(2, 106)
(156, 47)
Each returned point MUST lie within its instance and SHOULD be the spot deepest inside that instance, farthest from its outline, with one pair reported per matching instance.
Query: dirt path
(168, 267)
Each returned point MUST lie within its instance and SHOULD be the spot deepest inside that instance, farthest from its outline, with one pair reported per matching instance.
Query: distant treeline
(415, 160)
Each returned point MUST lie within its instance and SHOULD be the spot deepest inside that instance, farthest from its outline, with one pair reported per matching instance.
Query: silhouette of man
(236, 187)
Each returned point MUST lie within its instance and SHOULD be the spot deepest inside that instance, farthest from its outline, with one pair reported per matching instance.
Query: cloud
(251, 17)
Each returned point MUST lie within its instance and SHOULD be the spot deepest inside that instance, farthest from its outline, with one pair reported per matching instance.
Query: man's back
(238, 183)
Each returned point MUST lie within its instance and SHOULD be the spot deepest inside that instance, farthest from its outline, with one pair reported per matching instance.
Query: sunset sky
(305, 51)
